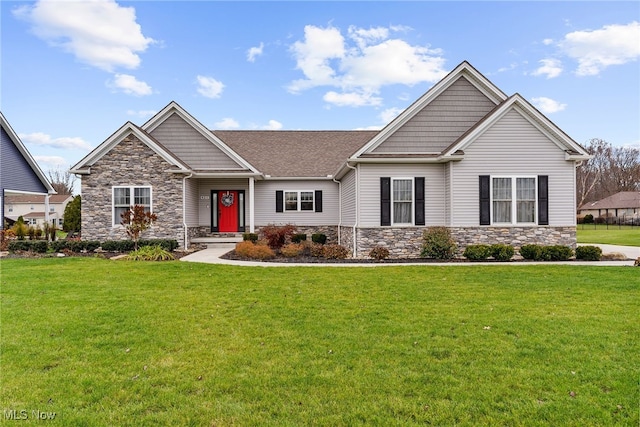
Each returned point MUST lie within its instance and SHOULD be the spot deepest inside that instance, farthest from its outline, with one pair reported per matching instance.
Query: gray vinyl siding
(441, 122)
(265, 199)
(370, 175)
(513, 146)
(447, 192)
(192, 202)
(204, 196)
(190, 146)
(349, 199)
(17, 174)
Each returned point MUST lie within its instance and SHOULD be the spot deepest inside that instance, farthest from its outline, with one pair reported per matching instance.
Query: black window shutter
(318, 197)
(543, 200)
(419, 193)
(385, 201)
(279, 201)
(485, 200)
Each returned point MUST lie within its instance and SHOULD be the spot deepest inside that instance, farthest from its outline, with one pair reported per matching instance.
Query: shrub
(252, 237)
(316, 249)
(319, 238)
(438, 243)
(5, 237)
(531, 252)
(244, 248)
(297, 238)
(277, 235)
(477, 252)
(379, 253)
(588, 219)
(334, 251)
(502, 252)
(37, 246)
(20, 229)
(117, 246)
(556, 253)
(150, 253)
(166, 244)
(291, 250)
(588, 253)
(254, 251)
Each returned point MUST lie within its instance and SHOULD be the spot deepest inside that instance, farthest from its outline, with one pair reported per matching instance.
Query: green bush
(117, 246)
(297, 238)
(319, 238)
(557, 253)
(128, 245)
(37, 246)
(150, 253)
(334, 251)
(502, 252)
(252, 237)
(477, 252)
(531, 252)
(438, 244)
(588, 219)
(379, 253)
(588, 253)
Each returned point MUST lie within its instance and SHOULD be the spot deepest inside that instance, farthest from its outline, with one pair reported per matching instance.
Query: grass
(612, 235)
(101, 342)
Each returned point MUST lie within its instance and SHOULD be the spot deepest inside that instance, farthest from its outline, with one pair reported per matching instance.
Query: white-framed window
(402, 200)
(124, 197)
(299, 201)
(513, 199)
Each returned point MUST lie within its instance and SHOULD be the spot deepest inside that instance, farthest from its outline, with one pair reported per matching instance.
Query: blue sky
(74, 72)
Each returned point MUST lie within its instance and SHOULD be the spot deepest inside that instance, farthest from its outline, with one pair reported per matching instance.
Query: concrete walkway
(212, 255)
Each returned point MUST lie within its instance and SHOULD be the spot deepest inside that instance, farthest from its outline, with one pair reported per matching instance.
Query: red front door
(227, 211)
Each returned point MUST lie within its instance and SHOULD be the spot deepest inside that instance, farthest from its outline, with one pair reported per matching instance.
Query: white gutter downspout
(184, 211)
(339, 208)
(355, 225)
(251, 205)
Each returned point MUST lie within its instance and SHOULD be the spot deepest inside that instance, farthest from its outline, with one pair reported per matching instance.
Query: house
(33, 208)
(488, 166)
(624, 205)
(19, 172)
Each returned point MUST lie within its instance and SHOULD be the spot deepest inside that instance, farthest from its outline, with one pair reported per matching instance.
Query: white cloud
(598, 49)
(389, 114)
(550, 68)
(227, 123)
(100, 33)
(362, 63)
(209, 87)
(130, 85)
(548, 105)
(273, 125)
(141, 113)
(547, 42)
(253, 52)
(54, 162)
(67, 143)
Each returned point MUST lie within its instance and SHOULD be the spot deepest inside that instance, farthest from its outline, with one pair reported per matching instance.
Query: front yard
(100, 342)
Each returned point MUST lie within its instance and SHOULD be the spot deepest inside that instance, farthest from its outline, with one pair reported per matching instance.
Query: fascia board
(173, 106)
(464, 69)
(25, 153)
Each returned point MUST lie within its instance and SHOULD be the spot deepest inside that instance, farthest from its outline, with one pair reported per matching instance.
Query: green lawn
(612, 235)
(116, 343)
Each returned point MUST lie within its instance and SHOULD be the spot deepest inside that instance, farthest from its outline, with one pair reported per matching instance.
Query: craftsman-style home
(488, 166)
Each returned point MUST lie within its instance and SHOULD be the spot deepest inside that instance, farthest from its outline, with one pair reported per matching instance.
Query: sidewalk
(212, 255)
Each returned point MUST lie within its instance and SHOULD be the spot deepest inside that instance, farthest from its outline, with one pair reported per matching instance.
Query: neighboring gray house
(490, 167)
(624, 205)
(19, 172)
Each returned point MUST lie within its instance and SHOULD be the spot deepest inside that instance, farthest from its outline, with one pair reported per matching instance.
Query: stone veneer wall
(331, 231)
(407, 242)
(346, 238)
(131, 162)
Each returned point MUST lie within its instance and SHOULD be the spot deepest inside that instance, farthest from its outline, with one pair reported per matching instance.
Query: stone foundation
(407, 242)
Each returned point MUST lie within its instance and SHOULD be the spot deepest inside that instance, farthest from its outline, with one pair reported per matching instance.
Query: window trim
(115, 222)
(514, 200)
(393, 201)
(298, 201)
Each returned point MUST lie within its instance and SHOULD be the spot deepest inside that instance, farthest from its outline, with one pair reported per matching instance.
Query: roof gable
(480, 84)
(621, 200)
(20, 172)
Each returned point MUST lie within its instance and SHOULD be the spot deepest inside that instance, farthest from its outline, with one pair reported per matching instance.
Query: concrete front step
(217, 239)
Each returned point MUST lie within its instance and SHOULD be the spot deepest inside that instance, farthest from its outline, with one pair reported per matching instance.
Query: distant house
(624, 205)
(33, 209)
(466, 156)
(19, 172)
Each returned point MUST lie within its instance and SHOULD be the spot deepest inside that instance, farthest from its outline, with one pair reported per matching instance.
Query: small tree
(135, 221)
(72, 218)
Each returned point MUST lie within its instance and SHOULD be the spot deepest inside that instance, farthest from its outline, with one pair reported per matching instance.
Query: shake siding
(441, 122)
(204, 196)
(265, 198)
(513, 146)
(370, 190)
(349, 199)
(190, 146)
